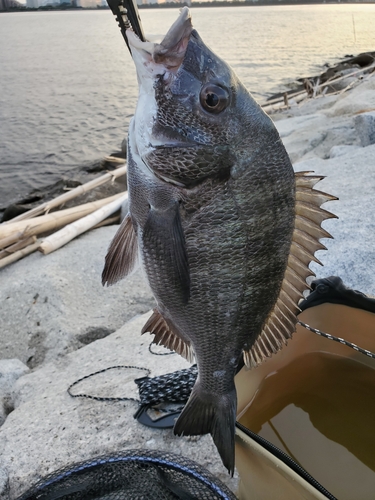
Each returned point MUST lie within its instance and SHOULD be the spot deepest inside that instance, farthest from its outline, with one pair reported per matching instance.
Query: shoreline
(343, 69)
(172, 5)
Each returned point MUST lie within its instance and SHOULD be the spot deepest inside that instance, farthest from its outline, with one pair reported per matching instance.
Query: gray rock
(313, 135)
(337, 151)
(351, 254)
(365, 127)
(288, 126)
(10, 371)
(358, 100)
(49, 429)
(54, 304)
(4, 485)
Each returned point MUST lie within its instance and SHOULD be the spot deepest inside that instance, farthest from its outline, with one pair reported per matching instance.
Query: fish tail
(210, 414)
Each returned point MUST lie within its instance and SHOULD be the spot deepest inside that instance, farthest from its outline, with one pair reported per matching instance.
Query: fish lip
(171, 51)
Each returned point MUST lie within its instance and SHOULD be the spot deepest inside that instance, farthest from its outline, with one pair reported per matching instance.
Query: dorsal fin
(281, 322)
(165, 336)
(122, 254)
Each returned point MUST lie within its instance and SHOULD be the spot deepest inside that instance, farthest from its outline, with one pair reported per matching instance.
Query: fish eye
(213, 98)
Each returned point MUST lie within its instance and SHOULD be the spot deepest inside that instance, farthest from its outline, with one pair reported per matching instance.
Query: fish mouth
(171, 51)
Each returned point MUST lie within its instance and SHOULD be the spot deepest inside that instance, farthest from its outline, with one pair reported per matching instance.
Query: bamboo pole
(116, 219)
(281, 105)
(73, 193)
(18, 255)
(17, 246)
(114, 159)
(9, 240)
(60, 238)
(330, 81)
(52, 221)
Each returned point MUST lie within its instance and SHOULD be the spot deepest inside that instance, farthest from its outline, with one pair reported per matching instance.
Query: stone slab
(49, 429)
(351, 254)
(53, 304)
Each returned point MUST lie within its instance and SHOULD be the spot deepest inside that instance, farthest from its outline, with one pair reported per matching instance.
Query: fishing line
(98, 398)
(159, 353)
(172, 386)
(337, 339)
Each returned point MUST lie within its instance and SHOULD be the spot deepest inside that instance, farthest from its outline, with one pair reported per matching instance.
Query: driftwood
(17, 246)
(312, 90)
(60, 238)
(10, 240)
(114, 159)
(52, 221)
(18, 255)
(116, 219)
(73, 193)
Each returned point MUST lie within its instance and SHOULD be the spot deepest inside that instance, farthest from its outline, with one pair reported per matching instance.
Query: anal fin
(164, 335)
(122, 254)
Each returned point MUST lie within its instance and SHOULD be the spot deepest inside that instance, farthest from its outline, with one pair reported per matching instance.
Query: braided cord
(159, 353)
(97, 398)
(337, 339)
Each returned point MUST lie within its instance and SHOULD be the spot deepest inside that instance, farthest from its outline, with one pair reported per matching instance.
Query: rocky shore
(58, 324)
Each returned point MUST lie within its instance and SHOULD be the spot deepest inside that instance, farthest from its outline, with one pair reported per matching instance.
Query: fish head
(194, 118)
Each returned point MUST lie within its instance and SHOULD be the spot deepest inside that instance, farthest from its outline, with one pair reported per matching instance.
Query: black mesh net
(172, 387)
(132, 475)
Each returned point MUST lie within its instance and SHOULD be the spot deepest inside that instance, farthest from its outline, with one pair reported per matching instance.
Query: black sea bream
(224, 229)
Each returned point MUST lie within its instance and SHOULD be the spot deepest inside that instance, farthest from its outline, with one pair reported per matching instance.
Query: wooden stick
(330, 81)
(316, 87)
(18, 255)
(73, 193)
(60, 238)
(17, 246)
(351, 84)
(116, 219)
(114, 159)
(281, 105)
(9, 240)
(280, 99)
(52, 221)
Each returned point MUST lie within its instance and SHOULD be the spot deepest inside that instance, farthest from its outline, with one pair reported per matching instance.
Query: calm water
(68, 85)
(319, 410)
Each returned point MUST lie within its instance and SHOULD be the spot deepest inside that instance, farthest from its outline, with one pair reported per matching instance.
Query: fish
(222, 226)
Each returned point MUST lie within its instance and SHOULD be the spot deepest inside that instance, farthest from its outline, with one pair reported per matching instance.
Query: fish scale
(224, 229)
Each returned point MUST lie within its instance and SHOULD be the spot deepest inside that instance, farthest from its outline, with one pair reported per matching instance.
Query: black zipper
(286, 459)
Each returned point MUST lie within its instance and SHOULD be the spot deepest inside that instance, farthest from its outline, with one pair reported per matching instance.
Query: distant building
(10, 4)
(86, 4)
(32, 4)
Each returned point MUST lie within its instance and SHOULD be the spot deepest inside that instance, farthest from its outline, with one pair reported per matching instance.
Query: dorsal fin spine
(281, 321)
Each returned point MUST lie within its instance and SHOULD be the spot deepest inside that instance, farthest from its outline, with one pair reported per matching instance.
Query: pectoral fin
(122, 255)
(164, 249)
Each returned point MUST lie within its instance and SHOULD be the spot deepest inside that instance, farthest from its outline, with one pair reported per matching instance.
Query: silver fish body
(212, 207)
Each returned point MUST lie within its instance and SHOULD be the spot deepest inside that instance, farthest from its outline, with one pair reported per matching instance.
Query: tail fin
(215, 414)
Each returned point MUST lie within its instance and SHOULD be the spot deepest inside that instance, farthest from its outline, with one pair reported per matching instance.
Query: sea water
(68, 86)
(320, 410)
